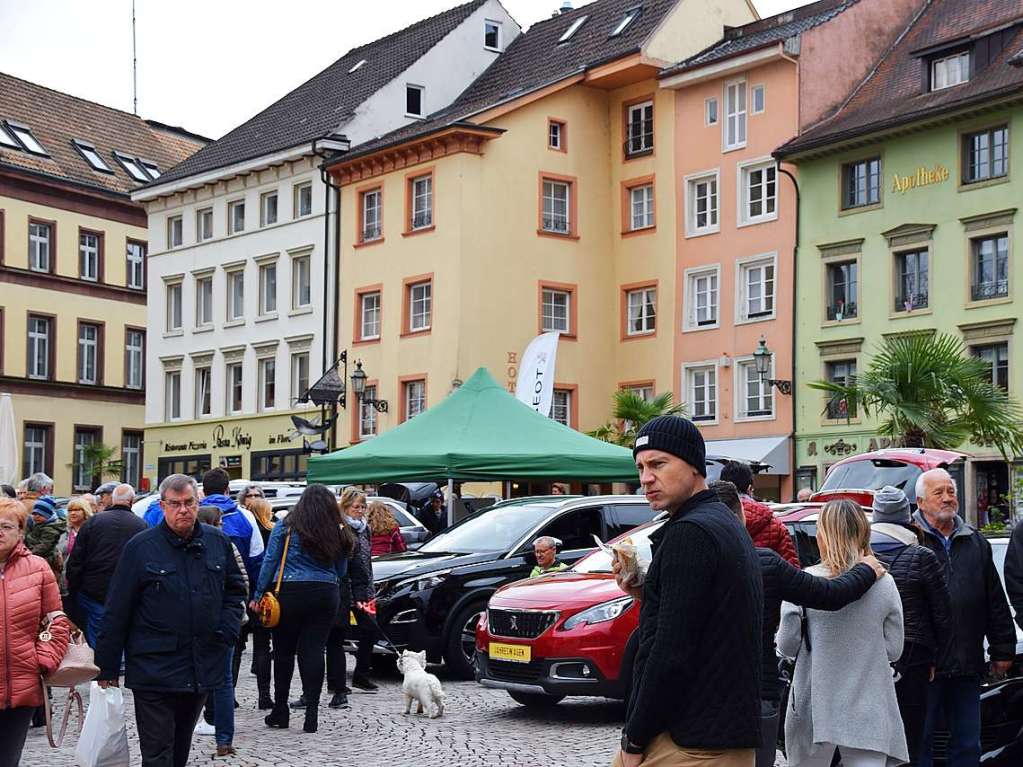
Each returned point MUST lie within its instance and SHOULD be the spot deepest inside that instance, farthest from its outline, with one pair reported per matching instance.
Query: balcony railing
(993, 289)
(557, 224)
(911, 301)
(839, 312)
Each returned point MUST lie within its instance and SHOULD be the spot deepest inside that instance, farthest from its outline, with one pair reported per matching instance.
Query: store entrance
(991, 487)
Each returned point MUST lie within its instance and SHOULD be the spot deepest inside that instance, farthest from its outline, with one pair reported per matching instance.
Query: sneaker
(340, 700)
(363, 683)
(203, 727)
(297, 704)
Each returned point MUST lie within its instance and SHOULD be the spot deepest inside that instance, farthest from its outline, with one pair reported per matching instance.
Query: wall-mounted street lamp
(359, 387)
(762, 359)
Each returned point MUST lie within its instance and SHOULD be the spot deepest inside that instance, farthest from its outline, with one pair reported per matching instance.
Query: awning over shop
(775, 451)
(479, 432)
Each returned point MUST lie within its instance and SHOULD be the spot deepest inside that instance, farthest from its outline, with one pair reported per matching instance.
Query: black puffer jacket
(926, 605)
(979, 606)
(361, 566)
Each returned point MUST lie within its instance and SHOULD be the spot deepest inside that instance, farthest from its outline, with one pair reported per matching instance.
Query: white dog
(419, 685)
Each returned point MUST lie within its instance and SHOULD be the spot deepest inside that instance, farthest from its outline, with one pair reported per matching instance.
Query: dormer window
(88, 151)
(950, 70)
(357, 66)
(133, 165)
(572, 29)
(492, 35)
(23, 134)
(630, 16)
(414, 100)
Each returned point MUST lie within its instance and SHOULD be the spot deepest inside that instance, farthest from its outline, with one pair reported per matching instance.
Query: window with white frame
(172, 395)
(756, 288)
(40, 341)
(267, 383)
(415, 398)
(88, 256)
(236, 216)
(422, 202)
(561, 406)
(641, 207)
(758, 99)
(203, 391)
(134, 358)
(556, 206)
(131, 458)
(644, 392)
(235, 387)
(371, 229)
(414, 100)
(37, 439)
(135, 255)
(204, 300)
(556, 311)
(204, 224)
(950, 70)
(303, 202)
(640, 128)
(369, 316)
(88, 353)
(83, 469)
(641, 308)
(702, 204)
(556, 135)
(301, 282)
(39, 239)
(702, 392)
(299, 375)
(710, 111)
(734, 127)
(492, 35)
(702, 295)
(758, 184)
(268, 289)
(268, 208)
(755, 396)
(368, 413)
(175, 231)
(420, 300)
(235, 294)
(174, 307)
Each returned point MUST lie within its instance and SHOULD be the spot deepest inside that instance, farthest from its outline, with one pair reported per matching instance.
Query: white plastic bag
(104, 740)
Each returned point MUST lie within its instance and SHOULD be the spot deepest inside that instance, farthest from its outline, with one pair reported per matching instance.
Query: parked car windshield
(873, 475)
(403, 518)
(495, 529)
(600, 561)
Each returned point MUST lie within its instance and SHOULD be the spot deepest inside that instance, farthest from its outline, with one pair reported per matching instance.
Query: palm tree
(99, 461)
(927, 391)
(630, 413)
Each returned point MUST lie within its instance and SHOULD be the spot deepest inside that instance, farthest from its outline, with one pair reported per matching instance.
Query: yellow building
(542, 200)
(73, 276)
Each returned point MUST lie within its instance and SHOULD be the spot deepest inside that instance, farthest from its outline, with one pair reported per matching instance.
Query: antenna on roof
(134, 66)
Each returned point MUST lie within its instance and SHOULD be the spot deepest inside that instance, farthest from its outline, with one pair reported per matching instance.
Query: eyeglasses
(252, 495)
(187, 504)
(8, 527)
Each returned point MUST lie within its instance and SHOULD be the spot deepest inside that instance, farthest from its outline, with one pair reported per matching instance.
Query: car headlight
(423, 582)
(606, 611)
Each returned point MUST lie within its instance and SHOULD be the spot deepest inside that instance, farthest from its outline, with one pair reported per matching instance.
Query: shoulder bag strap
(73, 702)
(284, 558)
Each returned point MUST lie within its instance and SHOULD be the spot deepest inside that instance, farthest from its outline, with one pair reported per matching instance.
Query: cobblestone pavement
(480, 728)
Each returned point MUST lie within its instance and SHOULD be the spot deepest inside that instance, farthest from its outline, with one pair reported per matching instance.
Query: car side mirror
(530, 557)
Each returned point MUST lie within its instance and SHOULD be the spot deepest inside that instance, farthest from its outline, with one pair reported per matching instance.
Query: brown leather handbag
(269, 606)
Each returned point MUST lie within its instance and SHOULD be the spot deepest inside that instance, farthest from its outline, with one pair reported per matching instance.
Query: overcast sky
(208, 65)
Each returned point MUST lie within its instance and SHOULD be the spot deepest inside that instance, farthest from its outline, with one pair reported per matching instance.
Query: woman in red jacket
(383, 529)
(28, 593)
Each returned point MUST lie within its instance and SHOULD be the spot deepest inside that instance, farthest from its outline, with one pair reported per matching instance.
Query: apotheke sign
(923, 177)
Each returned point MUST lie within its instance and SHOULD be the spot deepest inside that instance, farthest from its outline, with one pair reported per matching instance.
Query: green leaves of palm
(929, 392)
(630, 413)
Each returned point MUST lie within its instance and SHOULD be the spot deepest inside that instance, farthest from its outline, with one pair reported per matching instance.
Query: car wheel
(460, 653)
(535, 700)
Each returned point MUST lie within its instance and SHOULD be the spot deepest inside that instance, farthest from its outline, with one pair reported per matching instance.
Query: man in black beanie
(696, 682)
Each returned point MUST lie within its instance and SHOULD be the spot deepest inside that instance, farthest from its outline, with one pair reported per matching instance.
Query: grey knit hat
(891, 505)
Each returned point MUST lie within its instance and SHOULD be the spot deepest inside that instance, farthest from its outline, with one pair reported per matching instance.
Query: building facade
(244, 234)
(909, 223)
(73, 271)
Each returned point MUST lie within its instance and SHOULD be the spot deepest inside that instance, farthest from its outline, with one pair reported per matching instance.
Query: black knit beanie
(676, 435)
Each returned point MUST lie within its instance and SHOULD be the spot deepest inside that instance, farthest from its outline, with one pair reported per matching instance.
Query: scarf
(358, 525)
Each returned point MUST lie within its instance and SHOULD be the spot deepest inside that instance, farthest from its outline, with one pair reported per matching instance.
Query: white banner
(535, 385)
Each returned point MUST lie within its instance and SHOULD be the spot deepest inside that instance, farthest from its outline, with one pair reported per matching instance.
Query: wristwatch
(628, 746)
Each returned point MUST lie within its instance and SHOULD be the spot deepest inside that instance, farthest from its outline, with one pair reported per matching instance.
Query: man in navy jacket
(173, 609)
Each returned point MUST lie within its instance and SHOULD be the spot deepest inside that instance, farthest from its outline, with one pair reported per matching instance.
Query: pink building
(735, 103)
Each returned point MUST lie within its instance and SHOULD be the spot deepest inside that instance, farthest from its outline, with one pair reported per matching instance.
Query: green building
(909, 223)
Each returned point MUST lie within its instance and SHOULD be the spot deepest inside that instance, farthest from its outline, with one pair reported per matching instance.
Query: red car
(569, 633)
(858, 476)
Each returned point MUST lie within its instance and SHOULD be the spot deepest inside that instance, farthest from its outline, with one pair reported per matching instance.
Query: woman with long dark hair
(312, 568)
(262, 657)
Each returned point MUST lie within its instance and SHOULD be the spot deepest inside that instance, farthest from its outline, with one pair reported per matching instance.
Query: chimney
(566, 6)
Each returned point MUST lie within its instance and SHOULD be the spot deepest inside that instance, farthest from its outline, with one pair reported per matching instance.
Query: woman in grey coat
(843, 691)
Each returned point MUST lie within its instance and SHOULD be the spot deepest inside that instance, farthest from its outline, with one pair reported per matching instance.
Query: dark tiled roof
(764, 32)
(535, 59)
(893, 94)
(319, 106)
(56, 118)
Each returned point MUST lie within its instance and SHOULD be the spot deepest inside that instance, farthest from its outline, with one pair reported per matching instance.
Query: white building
(240, 299)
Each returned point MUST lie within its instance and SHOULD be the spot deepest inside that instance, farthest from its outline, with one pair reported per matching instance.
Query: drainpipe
(795, 309)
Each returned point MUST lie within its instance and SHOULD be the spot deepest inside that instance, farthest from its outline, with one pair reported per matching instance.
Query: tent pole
(451, 502)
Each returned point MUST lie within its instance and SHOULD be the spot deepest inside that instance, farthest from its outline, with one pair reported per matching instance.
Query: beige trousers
(662, 752)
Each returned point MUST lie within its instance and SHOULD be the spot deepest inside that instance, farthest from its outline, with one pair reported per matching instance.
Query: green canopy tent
(480, 432)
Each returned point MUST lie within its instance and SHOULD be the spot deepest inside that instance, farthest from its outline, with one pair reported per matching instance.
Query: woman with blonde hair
(843, 690)
(384, 531)
(353, 512)
(262, 654)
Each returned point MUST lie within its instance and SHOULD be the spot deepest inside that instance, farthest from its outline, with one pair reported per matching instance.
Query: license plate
(517, 653)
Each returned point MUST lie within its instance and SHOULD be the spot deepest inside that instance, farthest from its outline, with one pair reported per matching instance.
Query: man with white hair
(545, 548)
(979, 609)
(37, 486)
(94, 556)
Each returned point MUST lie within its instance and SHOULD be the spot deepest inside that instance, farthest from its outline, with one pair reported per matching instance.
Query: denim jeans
(93, 611)
(223, 705)
(953, 703)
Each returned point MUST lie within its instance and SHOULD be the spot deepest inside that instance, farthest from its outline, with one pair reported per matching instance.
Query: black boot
(340, 700)
(311, 717)
(261, 666)
(278, 717)
(362, 682)
(298, 704)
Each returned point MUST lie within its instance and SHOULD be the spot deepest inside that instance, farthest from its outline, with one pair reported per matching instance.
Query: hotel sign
(922, 177)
